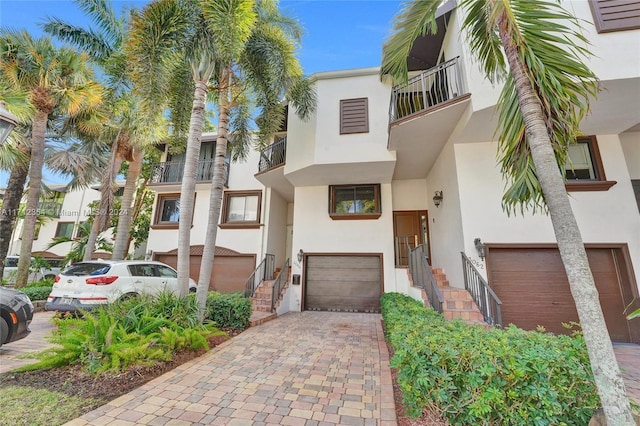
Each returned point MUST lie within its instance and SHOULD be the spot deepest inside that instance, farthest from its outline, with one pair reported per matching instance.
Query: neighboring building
(60, 215)
(378, 169)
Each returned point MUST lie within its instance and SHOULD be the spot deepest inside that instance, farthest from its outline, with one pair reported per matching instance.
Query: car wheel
(4, 331)
(128, 296)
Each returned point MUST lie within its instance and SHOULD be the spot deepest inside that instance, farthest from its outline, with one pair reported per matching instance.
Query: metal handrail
(426, 90)
(264, 271)
(423, 277)
(278, 284)
(173, 171)
(487, 300)
(273, 156)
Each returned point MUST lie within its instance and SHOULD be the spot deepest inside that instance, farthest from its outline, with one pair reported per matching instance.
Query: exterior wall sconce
(300, 255)
(437, 198)
(7, 122)
(480, 247)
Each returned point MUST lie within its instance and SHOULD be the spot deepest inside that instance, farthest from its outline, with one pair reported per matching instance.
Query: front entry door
(410, 229)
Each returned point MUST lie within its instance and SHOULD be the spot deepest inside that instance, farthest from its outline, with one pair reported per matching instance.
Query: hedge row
(228, 310)
(477, 376)
(36, 293)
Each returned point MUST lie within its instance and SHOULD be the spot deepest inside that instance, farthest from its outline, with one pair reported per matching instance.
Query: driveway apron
(309, 368)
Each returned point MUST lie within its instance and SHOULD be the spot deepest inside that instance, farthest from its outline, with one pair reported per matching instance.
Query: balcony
(423, 114)
(171, 172)
(270, 170)
(430, 89)
(273, 156)
(49, 208)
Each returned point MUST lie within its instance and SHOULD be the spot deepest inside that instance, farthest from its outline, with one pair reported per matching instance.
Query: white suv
(35, 274)
(86, 285)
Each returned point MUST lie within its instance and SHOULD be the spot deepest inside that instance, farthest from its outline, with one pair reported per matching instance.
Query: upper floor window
(354, 116)
(241, 209)
(584, 170)
(354, 201)
(610, 15)
(168, 211)
(64, 230)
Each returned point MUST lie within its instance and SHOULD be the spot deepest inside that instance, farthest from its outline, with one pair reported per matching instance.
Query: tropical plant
(134, 126)
(79, 245)
(537, 48)
(58, 81)
(243, 51)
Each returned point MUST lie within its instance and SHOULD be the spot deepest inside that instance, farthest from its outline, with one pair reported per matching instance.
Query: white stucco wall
(316, 232)
(74, 209)
(445, 222)
(410, 194)
(319, 141)
(603, 216)
(275, 226)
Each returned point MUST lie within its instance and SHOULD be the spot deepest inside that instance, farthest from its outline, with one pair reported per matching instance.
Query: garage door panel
(229, 273)
(534, 289)
(343, 283)
(340, 303)
(346, 262)
(355, 274)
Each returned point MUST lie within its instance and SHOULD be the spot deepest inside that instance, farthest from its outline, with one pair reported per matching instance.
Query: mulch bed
(74, 381)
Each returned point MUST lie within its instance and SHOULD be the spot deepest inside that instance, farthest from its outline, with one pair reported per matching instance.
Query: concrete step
(258, 318)
(463, 314)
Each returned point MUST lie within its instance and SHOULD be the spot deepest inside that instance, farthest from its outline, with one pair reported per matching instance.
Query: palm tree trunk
(33, 196)
(137, 207)
(188, 188)
(10, 206)
(102, 215)
(574, 256)
(215, 200)
(120, 245)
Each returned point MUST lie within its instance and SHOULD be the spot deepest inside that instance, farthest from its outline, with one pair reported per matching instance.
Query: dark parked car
(16, 313)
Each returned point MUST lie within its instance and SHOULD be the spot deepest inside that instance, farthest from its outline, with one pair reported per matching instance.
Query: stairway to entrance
(457, 302)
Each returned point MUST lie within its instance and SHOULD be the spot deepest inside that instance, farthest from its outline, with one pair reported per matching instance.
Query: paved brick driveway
(40, 327)
(309, 368)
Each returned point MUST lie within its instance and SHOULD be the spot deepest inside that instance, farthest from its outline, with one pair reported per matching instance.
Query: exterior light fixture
(480, 247)
(300, 255)
(437, 198)
(7, 122)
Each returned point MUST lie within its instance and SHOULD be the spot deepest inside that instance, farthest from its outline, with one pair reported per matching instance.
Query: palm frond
(416, 18)
(87, 40)
(230, 23)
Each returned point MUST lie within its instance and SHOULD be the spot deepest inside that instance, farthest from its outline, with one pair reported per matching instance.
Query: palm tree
(545, 96)
(57, 80)
(134, 126)
(245, 50)
(15, 155)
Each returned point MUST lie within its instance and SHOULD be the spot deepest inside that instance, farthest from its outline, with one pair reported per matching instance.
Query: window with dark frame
(584, 169)
(64, 230)
(241, 209)
(354, 201)
(354, 116)
(167, 213)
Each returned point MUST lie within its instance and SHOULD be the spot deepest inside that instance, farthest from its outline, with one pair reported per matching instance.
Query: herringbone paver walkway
(11, 354)
(309, 368)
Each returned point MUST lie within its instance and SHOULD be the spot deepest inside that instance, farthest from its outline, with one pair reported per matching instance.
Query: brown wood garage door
(347, 283)
(533, 288)
(231, 269)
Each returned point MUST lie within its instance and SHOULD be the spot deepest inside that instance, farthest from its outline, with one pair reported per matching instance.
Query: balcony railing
(49, 208)
(427, 90)
(172, 172)
(273, 156)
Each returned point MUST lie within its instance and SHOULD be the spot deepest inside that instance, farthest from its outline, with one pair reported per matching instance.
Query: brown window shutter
(615, 15)
(354, 116)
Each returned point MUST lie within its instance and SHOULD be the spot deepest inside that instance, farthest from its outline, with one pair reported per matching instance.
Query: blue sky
(338, 34)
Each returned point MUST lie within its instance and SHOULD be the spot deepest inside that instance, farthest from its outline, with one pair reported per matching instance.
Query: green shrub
(477, 376)
(36, 293)
(136, 331)
(228, 310)
(45, 282)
